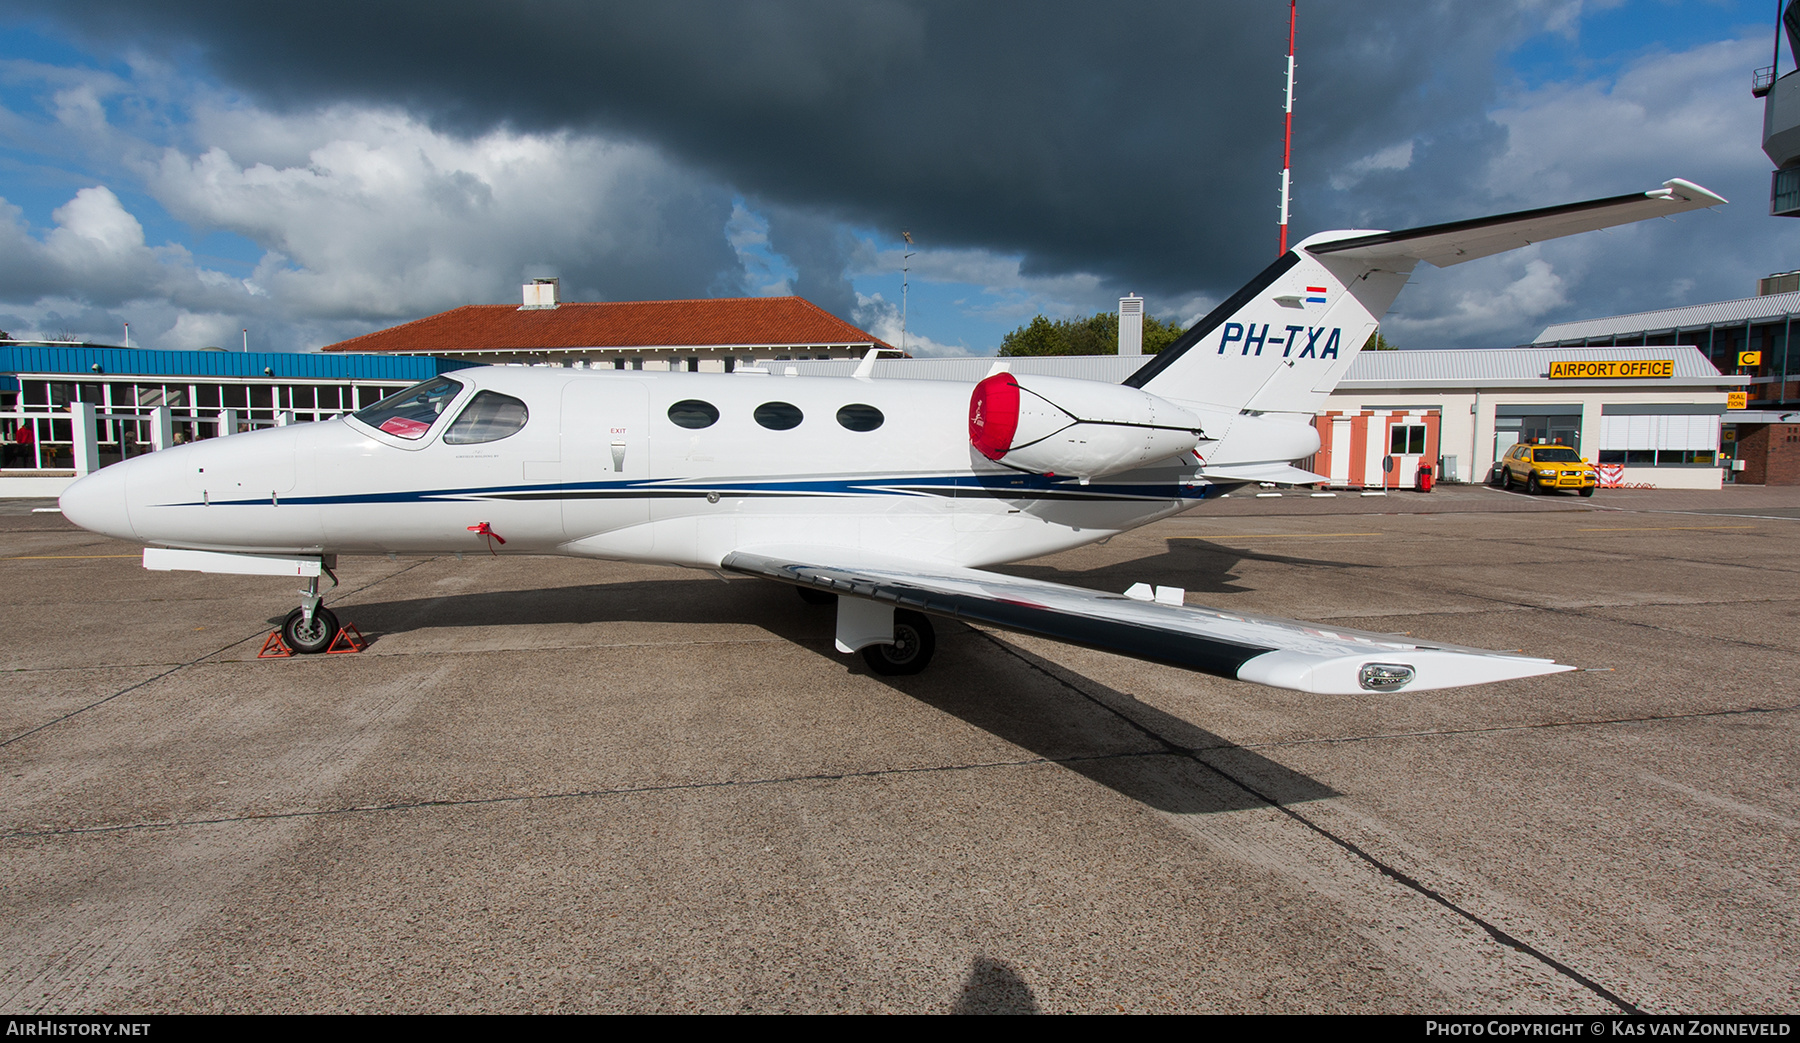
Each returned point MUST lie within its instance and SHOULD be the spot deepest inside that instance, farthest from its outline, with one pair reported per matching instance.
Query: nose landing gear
(309, 634)
(313, 628)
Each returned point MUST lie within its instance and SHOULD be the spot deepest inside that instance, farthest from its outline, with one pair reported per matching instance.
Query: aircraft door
(605, 456)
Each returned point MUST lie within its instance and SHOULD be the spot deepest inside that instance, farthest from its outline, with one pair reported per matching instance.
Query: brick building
(1771, 454)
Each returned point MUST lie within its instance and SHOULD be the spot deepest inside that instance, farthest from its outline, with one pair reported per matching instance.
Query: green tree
(1158, 334)
(1377, 342)
(1098, 335)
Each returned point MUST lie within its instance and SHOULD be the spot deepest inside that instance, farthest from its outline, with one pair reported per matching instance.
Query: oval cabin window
(860, 417)
(490, 416)
(779, 416)
(693, 414)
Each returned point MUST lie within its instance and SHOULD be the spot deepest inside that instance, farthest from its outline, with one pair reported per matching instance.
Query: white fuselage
(600, 469)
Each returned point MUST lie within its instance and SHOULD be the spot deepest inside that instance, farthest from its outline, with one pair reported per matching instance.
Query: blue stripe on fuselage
(1009, 485)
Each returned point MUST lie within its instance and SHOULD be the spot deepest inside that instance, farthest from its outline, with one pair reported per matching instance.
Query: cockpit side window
(489, 417)
(410, 413)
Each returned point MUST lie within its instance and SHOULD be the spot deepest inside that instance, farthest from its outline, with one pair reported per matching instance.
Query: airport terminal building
(1650, 417)
(1750, 338)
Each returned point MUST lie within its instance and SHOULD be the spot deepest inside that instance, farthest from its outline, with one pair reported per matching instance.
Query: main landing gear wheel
(309, 639)
(914, 642)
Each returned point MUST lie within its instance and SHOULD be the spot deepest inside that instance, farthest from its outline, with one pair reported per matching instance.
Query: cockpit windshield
(410, 413)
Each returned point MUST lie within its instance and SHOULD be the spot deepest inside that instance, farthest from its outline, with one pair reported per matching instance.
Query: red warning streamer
(486, 531)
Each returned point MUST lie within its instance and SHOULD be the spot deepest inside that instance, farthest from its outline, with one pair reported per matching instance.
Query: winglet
(1686, 191)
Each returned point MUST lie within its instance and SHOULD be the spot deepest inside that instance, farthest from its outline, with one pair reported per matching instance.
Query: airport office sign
(1612, 369)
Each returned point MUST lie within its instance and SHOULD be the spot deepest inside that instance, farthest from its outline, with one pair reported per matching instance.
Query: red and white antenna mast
(1287, 136)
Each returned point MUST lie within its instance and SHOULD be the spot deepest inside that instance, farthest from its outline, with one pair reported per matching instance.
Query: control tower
(1781, 118)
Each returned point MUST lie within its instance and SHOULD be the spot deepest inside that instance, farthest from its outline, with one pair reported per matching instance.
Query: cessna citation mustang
(891, 494)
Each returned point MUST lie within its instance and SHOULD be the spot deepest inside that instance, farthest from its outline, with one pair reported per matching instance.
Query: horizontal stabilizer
(1279, 652)
(1283, 474)
(1459, 241)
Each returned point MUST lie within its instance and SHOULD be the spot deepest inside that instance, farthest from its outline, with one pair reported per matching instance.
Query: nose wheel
(309, 636)
(312, 627)
(914, 642)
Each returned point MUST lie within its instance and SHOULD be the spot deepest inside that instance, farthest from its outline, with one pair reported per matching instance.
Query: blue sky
(152, 175)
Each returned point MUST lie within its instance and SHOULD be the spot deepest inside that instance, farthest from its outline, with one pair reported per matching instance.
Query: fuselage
(677, 467)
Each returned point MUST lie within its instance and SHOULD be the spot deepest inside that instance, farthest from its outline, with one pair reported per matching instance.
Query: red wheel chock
(348, 641)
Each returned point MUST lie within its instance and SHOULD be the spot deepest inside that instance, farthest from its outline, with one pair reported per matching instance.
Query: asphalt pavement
(560, 785)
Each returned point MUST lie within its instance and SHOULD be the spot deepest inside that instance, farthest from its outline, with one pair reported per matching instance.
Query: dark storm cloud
(820, 249)
(1137, 141)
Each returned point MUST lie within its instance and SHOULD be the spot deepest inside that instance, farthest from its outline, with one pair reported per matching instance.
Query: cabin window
(489, 417)
(778, 416)
(859, 417)
(410, 413)
(693, 414)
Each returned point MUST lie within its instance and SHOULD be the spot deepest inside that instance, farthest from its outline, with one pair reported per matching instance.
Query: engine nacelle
(1082, 428)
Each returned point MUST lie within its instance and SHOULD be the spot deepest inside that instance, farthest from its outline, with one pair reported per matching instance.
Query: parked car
(1542, 467)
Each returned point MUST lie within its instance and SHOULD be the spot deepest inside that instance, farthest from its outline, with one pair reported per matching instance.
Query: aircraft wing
(1282, 653)
(1459, 241)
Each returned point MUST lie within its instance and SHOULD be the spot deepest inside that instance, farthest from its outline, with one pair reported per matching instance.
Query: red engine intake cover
(994, 415)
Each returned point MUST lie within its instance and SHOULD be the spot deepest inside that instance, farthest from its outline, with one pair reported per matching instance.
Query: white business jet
(893, 495)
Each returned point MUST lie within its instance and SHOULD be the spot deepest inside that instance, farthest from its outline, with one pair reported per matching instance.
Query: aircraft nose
(97, 503)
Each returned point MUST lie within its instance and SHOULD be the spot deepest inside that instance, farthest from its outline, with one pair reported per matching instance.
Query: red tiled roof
(755, 321)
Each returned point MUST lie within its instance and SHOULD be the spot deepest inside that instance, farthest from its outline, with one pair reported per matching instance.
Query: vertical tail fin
(1282, 343)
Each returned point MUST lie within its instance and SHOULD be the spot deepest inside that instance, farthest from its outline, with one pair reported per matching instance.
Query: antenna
(1775, 62)
(1287, 137)
(905, 267)
(128, 334)
(1762, 81)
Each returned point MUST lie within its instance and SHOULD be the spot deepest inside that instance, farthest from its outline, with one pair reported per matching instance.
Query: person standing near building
(20, 453)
